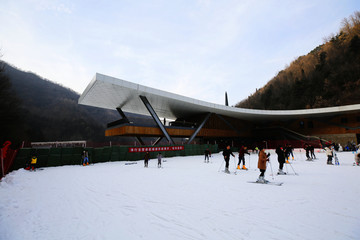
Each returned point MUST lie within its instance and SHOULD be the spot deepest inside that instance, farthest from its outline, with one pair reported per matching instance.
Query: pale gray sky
(196, 48)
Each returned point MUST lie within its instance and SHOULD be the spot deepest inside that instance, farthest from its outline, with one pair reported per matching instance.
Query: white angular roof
(110, 93)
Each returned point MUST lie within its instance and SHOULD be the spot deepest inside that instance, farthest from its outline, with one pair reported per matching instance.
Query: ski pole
(272, 173)
(293, 169)
(249, 161)
(301, 156)
(222, 162)
(286, 168)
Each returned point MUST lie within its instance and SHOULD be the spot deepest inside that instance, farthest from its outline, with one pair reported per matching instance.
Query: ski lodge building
(179, 118)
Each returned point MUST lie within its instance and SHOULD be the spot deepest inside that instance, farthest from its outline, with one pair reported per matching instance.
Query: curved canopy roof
(111, 93)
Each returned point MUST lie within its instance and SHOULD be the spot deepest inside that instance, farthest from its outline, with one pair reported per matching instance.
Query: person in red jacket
(242, 152)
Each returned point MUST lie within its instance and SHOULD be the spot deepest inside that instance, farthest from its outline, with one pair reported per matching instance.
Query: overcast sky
(198, 49)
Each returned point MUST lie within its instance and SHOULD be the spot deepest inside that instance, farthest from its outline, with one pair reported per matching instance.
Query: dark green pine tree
(11, 125)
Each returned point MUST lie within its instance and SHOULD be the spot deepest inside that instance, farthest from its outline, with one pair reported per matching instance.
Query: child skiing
(329, 155)
(85, 157)
(207, 155)
(146, 159)
(159, 156)
(33, 163)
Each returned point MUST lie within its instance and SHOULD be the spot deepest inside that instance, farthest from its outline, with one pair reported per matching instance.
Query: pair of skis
(229, 172)
(267, 183)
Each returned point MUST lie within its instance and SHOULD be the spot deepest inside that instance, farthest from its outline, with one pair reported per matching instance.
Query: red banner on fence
(155, 149)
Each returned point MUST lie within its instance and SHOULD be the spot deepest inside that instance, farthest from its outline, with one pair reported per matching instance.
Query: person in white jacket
(329, 154)
(357, 159)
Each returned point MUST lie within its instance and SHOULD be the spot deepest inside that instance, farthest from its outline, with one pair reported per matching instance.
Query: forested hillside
(36, 109)
(327, 76)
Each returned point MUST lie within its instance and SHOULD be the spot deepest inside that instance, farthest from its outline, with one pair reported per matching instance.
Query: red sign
(155, 149)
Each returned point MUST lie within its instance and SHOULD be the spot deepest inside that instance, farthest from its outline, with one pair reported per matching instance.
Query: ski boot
(281, 172)
(238, 167)
(227, 170)
(244, 168)
(261, 179)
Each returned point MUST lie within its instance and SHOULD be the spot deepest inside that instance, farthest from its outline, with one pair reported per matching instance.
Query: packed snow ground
(186, 199)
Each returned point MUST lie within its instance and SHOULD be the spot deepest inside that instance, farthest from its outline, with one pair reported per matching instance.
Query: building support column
(156, 118)
(199, 128)
(140, 140)
(123, 119)
(157, 141)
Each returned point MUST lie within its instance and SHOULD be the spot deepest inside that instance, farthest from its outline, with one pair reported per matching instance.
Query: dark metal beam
(122, 114)
(123, 119)
(199, 128)
(140, 140)
(156, 118)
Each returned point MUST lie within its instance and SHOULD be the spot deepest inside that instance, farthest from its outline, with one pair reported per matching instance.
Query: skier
(242, 152)
(312, 151)
(263, 158)
(307, 149)
(226, 153)
(85, 157)
(329, 154)
(281, 159)
(207, 154)
(357, 159)
(33, 163)
(146, 159)
(256, 150)
(288, 152)
(159, 156)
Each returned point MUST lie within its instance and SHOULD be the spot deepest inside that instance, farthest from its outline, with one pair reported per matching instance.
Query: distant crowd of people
(283, 155)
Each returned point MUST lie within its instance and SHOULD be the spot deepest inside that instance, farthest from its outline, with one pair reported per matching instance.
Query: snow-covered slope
(186, 199)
